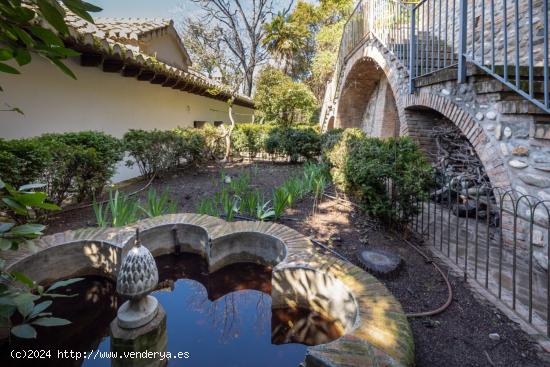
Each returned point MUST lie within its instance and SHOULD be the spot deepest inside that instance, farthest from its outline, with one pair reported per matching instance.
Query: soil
(457, 337)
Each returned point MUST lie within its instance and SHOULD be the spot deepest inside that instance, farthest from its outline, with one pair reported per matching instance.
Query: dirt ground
(457, 337)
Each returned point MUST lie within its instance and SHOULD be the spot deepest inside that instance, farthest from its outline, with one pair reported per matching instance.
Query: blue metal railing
(507, 39)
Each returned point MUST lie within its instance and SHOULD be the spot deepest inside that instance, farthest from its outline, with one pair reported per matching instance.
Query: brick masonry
(510, 135)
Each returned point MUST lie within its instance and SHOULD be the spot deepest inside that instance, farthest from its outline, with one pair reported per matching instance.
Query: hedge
(368, 168)
(78, 164)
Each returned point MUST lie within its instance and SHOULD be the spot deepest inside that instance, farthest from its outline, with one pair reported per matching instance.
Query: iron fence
(497, 238)
(507, 39)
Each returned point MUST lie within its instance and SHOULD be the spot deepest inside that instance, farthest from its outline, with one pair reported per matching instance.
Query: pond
(219, 319)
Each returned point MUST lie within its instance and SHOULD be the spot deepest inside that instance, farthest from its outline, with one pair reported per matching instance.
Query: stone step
(495, 86)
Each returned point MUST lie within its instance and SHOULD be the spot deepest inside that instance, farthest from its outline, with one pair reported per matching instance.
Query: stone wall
(509, 134)
(433, 27)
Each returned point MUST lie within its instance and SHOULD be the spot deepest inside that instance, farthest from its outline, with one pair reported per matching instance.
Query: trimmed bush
(293, 142)
(156, 151)
(368, 168)
(78, 164)
(250, 138)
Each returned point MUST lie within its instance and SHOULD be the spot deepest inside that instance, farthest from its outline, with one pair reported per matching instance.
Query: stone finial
(138, 276)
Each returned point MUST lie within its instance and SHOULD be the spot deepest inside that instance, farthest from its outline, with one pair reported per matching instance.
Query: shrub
(250, 138)
(77, 164)
(156, 151)
(293, 142)
(368, 168)
(83, 163)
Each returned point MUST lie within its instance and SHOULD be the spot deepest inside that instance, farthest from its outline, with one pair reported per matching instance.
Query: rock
(494, 336)
(538, 238)
(458, 99)
(541, 259)
(381, 263)
(543, 195)
(504, 149)
(498, 132)
(520, 151)
(516, 163)
(479, 116)
(490, 127)
(227, 179)
(463, 89)
(446, 92)
(543, 167)
(507, 132)
(491, 115)
(535, 180)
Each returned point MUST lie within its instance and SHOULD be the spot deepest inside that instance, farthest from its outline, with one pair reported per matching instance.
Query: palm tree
(284, 40)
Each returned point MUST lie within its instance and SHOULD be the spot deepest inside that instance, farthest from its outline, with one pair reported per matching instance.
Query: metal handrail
(445, 33)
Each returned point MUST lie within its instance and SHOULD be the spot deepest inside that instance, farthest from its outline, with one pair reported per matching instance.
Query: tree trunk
(228, 133)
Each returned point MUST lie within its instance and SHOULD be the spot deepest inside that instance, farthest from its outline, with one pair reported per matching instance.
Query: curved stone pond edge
(376, 330)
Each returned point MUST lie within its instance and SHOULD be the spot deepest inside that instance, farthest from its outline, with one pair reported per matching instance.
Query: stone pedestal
(149, 338)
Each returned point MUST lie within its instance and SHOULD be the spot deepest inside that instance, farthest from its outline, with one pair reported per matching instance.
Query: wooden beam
(113, 65)
(170, 82)
(146, 75)
(91, 60)
(159, 79)
(131, 71)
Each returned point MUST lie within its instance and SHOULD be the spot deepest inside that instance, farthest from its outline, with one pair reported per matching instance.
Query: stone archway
(367, 101)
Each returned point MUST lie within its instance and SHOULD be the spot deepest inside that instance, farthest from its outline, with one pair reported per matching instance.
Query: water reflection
(220, 319)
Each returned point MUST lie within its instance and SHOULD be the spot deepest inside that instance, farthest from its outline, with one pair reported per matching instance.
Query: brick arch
(418, 111)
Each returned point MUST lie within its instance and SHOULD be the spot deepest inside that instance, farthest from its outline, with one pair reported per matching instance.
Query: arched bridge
(479, 65)
(478, 68)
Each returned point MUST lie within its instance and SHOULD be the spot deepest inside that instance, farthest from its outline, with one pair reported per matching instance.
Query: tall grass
(157, 205)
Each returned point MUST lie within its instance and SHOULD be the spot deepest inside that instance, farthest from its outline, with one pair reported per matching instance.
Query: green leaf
(7, 311)
(39, 308)
(4, 68)
(22, 56)
(2, 184)
(20, 277)
(51, 321)
(6, 54)
(24, 304)
(32, 198)
(4, 227)
(24, 36)
(7, 301)
(62, 66)
(63, 283)
(47, 36)
(5, 244)
(48, 206)
(28, 229)
(53, 15)
(29, 187)
(15, 206)
(24, 331)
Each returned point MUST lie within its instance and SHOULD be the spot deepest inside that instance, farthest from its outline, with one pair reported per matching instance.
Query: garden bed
(457, 337)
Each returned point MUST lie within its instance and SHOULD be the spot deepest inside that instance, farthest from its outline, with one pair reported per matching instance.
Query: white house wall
(54, 103)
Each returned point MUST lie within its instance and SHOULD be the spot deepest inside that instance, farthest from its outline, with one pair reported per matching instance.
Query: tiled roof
(116, 40)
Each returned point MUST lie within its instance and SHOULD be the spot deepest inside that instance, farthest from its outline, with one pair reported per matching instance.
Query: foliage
(18, 293)
(295, 143)
(156, 151)
(157, 205)
(281, 100)
(18, 205)
(250, 138)
(280, 202)
(78, 164)
(119, 211)
(38, 27)
(369, 168)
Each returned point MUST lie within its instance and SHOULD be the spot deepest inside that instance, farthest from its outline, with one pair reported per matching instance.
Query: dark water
(220, 319)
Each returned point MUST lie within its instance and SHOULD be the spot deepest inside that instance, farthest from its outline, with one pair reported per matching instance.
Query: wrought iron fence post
(462, 39)
(412, 49)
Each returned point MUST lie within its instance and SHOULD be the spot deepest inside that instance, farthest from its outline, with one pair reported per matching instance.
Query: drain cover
(381, 263)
